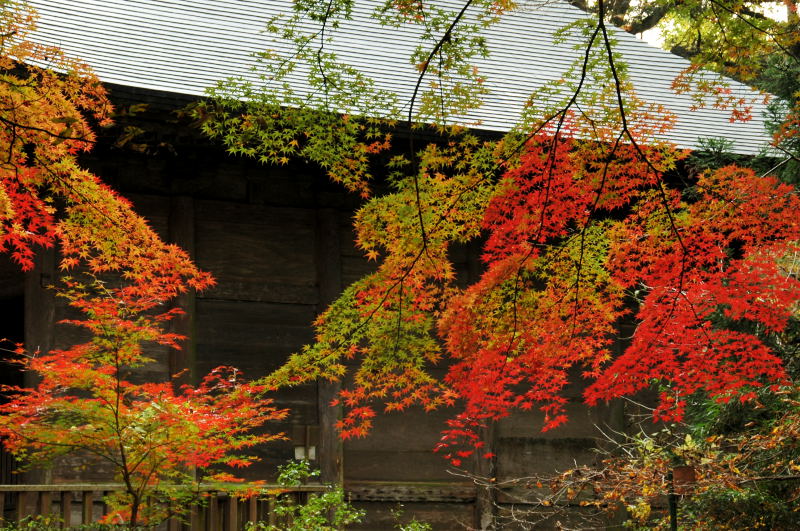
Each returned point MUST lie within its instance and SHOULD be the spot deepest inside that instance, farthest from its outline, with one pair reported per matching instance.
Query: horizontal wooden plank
(212, 212)
(12, 279)
(292, 185)
(347, 238)
(251, 323)
(247, 245)
(155, 209)
(354, 268)
(409, 430)
(423, 465)
(580, 424)
(260, 291)
(460, 492)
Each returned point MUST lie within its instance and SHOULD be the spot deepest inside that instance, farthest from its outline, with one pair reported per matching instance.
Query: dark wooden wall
(279, 242)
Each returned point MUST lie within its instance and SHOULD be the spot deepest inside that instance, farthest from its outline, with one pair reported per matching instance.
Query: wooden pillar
(212, 513)
(182, 233)
(40, 316)
(231, 513)
(40, 307)
(329, 281)
(45, 503)
(87, 507)
(22, 506)
(194, 517)
(252, 508)
(486, 469)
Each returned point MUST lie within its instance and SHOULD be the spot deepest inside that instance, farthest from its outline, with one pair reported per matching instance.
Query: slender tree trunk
(134, 511)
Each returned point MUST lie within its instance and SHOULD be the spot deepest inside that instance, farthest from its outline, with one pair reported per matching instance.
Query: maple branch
(591, 212)
(76, 446)
(415, 168)
(321, 33)
(786, 152)
(776, 167)
(11, 145)
(646, 160)
(562, 113)
(399, 317)
(444, 38)
(59, 136)
(492, 173)
(546, 203)
(124, 465)
(144, 483)
(415, 177)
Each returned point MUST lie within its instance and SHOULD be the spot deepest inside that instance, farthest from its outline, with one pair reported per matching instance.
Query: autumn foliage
(579, 236)
(693, 267)
(159, 441)
(91, 399)
(587, 219)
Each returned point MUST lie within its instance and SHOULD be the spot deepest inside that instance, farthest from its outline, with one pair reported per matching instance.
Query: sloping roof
(185, 46)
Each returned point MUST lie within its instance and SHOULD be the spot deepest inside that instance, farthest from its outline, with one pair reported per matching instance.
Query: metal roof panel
(186, 46)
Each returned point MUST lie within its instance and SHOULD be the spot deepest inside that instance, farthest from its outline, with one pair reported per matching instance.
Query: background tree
(88, 398)
(752, 41)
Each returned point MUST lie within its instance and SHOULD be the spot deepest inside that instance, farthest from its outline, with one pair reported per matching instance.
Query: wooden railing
(83, 504)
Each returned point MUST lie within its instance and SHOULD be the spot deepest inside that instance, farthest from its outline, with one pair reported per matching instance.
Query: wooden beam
(45, 503)
(330, 454)
(486, 497)
(40, 311)
(252, 509)
(22, 506)
(194, 517)
(40, 307)
(66, 508)
(212, 513)
(399, 492)
(272, 518)
(182, 233)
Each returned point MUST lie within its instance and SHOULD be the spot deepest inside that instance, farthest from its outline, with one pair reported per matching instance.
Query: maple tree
(89, 398)
(160, 441)
(583, 223)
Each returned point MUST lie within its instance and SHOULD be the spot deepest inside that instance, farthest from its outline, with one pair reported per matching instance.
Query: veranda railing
(83, 504)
